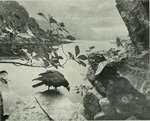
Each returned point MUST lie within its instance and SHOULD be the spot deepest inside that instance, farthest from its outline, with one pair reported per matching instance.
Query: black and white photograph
(74, 60)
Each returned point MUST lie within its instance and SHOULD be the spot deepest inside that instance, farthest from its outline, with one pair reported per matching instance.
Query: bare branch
(20, 64)
(65, 61)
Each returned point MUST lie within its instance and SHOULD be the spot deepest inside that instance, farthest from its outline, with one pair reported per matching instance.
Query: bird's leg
(56, 88)
(48, 87)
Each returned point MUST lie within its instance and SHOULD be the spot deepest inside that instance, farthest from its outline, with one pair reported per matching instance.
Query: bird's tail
(37, 85)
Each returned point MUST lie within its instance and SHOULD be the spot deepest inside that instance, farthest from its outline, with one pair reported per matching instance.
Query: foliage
(82, 89)
(78, 58)
(127, 45)
(21, 36)
(113, 55)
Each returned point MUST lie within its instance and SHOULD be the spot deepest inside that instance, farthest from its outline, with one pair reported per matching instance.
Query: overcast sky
(86, 19)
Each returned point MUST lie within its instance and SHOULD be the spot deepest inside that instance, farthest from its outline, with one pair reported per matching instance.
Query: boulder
(99, 116)
(91, 104)
(132, 118)
(44, 106)
(109, 110)
(1, 106)
(58, 106)
(127, 100)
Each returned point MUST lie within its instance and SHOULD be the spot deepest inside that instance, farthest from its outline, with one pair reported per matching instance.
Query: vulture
(52, 78)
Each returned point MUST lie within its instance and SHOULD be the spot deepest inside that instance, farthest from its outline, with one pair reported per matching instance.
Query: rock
(58, 106)
(80, 108)
(12, 104)
(91, 104)
(99, 116)
(90, 74)
(109, 110)
(1, 106)
(127, 100)
(44, 106)
(135, 14)
(132, 118)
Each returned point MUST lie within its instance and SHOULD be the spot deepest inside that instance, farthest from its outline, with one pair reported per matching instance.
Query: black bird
(52, 78)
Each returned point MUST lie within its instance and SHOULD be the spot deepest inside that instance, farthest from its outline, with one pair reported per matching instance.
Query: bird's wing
(50, 73)
(38, 78)
(45, 73)
(38, 84)
(58, 73)
(59, 81)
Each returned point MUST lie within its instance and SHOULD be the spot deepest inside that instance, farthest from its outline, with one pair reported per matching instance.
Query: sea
(20, 77)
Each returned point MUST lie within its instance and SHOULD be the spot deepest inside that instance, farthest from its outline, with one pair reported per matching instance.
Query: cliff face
(135, 14)
(125, 84)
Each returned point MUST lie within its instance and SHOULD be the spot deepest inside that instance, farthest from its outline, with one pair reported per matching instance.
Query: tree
(21, 36)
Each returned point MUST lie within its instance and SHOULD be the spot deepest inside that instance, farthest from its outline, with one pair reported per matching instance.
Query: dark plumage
(52, 78)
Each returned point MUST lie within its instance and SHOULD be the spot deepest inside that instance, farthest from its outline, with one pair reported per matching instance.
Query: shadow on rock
(51, 92)
(50, 95)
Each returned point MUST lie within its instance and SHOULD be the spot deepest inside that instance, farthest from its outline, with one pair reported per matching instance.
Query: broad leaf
(82, 63)
(61, 24)
(42, 15)
(70, 37)
(78, 92)
(52, 20)
(60, 29)
(46, 56)
(46, 63)
(1, 18)
(92, 47)
(55, 60)
(60, 57)
(65, 30)
(82, 57)
(70, 54)
(56, 55)
(118, 51)
(77, 50)
(17, 16)
(53, 64)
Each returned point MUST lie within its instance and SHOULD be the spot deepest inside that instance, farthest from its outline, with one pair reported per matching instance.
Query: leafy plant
(82, 89)
(21, 36)
(77, 57)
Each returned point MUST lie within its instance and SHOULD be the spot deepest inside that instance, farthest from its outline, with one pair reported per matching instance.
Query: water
(21, 77)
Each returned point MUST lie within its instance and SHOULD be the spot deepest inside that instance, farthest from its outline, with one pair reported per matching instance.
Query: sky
(85, 19)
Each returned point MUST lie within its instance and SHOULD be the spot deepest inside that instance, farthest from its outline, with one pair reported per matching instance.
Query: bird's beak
(68, 88)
